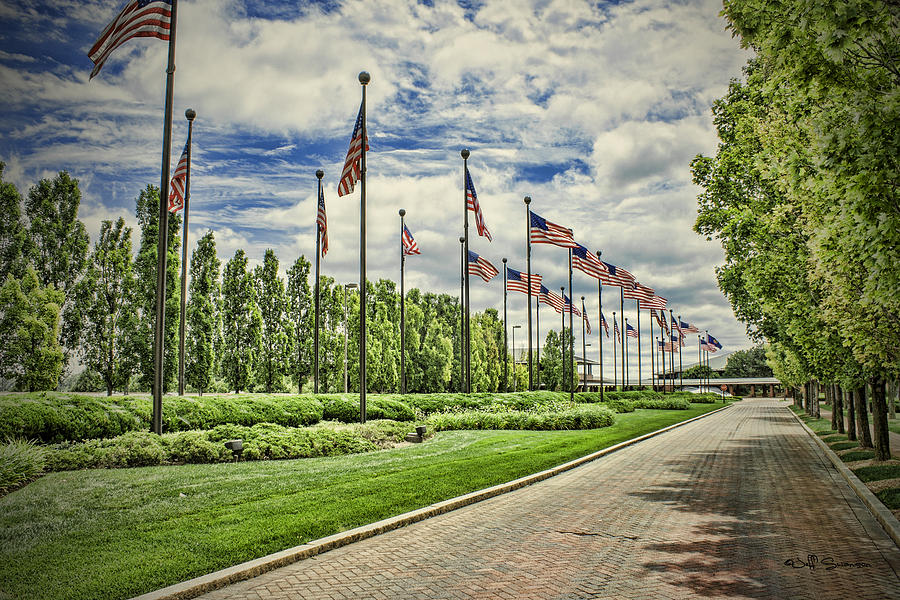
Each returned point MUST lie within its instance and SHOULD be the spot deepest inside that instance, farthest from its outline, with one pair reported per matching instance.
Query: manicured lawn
(843, 445)
(860, 455)
(122, 532)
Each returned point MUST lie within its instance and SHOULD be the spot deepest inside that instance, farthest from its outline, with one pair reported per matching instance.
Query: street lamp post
(347, 286)
(515, 382)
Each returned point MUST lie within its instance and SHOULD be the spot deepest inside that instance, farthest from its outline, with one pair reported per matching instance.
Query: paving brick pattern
(741, 504)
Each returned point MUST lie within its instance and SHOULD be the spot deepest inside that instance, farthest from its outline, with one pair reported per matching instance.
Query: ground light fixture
(236, 447)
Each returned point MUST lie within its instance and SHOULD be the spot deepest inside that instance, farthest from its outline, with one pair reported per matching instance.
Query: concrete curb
(247, 570)
(885, 517)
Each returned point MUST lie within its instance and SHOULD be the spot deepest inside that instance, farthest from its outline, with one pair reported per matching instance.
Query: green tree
(300, 316)
(748, 363)
(202, 316)
(145, 267)
(57, 240)
(29, 327)
(275, 347)
(487, 351)
(242, 323)
(101, 305)
(13, 237)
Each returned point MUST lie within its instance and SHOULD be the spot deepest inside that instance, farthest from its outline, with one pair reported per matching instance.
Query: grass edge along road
(119, 533)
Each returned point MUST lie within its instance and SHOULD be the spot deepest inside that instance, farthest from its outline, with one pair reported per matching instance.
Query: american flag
(551, 299)
(688, 328)
(587, 262)
(518, 281)
(617, 275)
(472, 204)
(654, 302)
(481, 267)
(604, 323)
(545, 232)
(616, 329)
(409, 244)
(350, 173)
(677, 339)
(569, 308)
(659, 319)
(321, 221)
(630, 331)
(179, 179)
(587, 322)
(676, 327)
(637, 291)
(139, 18)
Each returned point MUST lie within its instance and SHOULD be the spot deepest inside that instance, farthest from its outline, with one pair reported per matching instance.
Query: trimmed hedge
(346, 409)
(262, 441)
(584, 416)
(628, 401)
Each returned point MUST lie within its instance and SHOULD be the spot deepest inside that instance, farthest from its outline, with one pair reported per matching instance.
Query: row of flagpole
(157, 18)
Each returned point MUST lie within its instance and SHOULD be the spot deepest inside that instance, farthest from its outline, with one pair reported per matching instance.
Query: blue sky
(592, 109)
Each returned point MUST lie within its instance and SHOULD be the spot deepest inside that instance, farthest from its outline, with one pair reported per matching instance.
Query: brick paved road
(713, 509)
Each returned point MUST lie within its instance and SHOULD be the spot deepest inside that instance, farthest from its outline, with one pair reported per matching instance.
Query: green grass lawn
(122, 532)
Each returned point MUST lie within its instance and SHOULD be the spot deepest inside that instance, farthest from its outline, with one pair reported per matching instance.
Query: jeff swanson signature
(828, 563)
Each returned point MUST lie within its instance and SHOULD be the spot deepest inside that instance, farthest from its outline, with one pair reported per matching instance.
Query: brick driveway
(737, 505)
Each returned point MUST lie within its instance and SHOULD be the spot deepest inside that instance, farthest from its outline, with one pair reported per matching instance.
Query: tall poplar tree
(13, 236)
(241, 323)
(202, 315)
(300, 317)
(145, 266)
(275, 347)
(101, 306)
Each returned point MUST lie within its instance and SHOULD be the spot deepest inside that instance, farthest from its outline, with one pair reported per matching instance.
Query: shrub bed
(20, 462)
(583, 416)
(346, 408)
(262, 441)
(57, 417)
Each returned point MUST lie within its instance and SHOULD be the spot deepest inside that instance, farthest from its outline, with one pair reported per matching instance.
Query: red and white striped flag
(481, 267)
(587, 322)
(542, 231)
(551, 299)
(409, 244)
(472, 204)
(352, 168)
(178, 183)
(588, 263)
(139, 18)
(637, 291)
(322, 221)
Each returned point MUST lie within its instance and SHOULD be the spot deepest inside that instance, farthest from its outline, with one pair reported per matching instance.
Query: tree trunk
(862, 417)
(838, 408)
(851, 415)
(893, 388)
(829, 399)
(815, 399)
(879, 420)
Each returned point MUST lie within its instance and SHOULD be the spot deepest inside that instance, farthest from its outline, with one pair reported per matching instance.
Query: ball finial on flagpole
(527, 199)
(464, 153)
(320, 173)
(402, 212)
(190, 114)
(364, 77)
(504, 261)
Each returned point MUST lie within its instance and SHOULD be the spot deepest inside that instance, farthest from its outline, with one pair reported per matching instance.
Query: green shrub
(342, 408)
(20, 462)
(55, 417)
(858, 455)
(662, 403)
(843, 445)
(194, 447)
(890, 498)
(584, 416)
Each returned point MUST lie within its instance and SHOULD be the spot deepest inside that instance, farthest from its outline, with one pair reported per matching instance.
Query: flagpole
(528, 260)
(625, 356)
(402, 310)
(662, 355)
(680, 366)
(583, 347)
(599, 334)
(562, 338)
(571, 333)
(162, 249)
(505, 347)
(462, 315)
(465, 156)
(640, 385)
(364, 79)
(624, 333)
(699, 361)
(537, 333)
(615, 360)
(319, 174)
(652, 357)
(190, 115)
